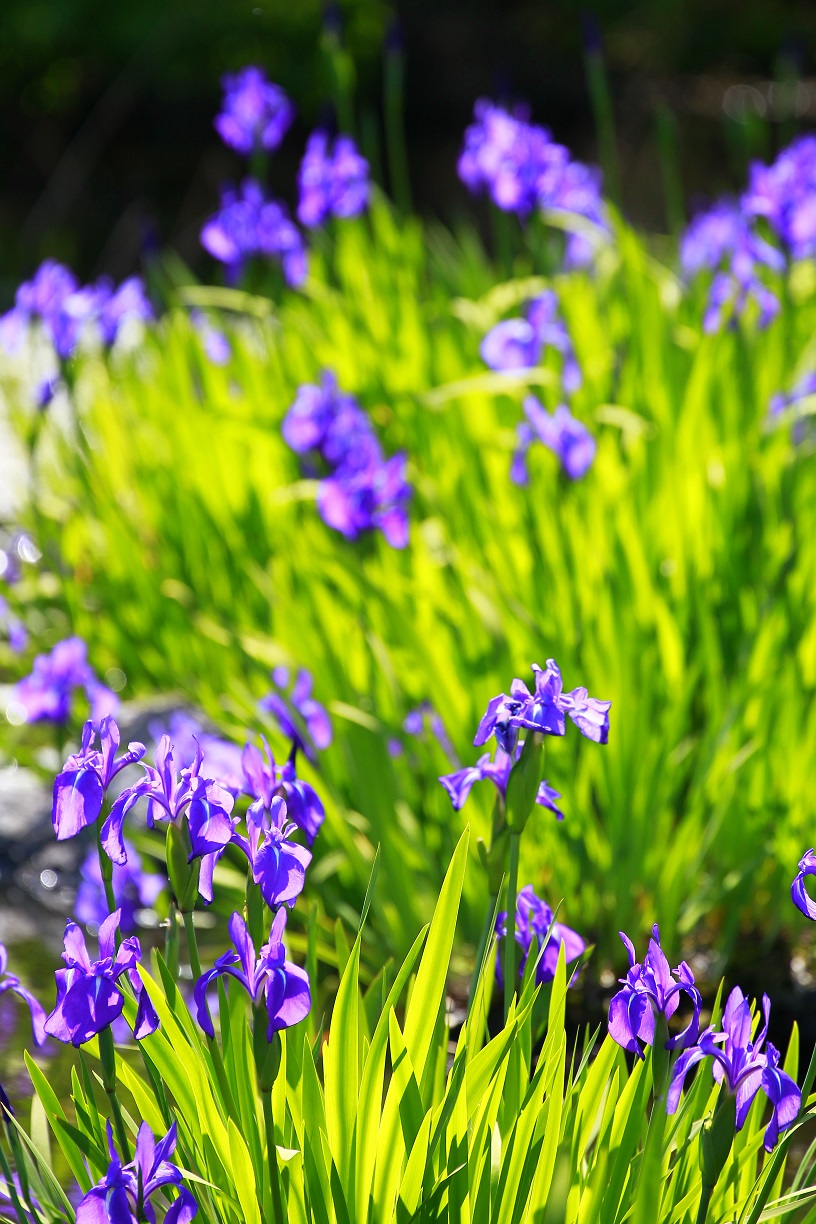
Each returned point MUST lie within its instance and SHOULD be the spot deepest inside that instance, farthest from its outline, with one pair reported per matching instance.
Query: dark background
(107, 147)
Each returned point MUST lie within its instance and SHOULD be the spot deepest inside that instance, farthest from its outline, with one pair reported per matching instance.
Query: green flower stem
(107, 1056)
(510, 937)
(171, 942)
(192, 945)
(105, 866)
(272, 1157)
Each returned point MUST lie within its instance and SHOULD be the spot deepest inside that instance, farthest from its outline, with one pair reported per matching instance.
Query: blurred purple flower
(300, 718)
(249, 225)
(650, 989)
(264, 781)
(355, 500)
(115, 307)
(216, 345)
(267, 976)
(123, 1195)
(255, 113)
(79, 790)
(332, 182)
(9, 982)
(722, 240)
(784, 193)
(459, 784)
(568, 439)
(16, 630)
(47, 693)
(88, 995)
(220, 758)
(133, 888)
(534, 920)
(518, 344)
(743, 1066)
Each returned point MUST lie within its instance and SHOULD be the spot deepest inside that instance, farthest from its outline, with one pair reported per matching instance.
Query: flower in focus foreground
(543, 711)
(650, 989)
(123, 1195)
(267, 976)
(459, 784)
(79, 790)
(741, 1064)
(89, 998)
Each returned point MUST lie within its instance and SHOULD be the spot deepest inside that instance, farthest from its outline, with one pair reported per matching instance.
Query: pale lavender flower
(332, 180)
(255, 113)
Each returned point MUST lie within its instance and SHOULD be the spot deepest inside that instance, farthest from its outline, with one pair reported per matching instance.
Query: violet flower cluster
(784, 195)
(537, 934)
(65, 309)
(744, 1064)
(123, 1195)
(267, 977)
(460, 783)
(543, 711)
(724, 241)
(248, 225)
(522, 168)
(299, 717)
(562, 433)
(519, 343)
(255, 113)
(89, 995)
(363, 490)
(332, 180)
(48, 692)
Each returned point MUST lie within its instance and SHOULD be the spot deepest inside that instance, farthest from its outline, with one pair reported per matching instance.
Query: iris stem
(107, 1056)
(192, 945)
(272, 1157)
(705, 1200)
(106, 869)
(510, 936)
(171, 942)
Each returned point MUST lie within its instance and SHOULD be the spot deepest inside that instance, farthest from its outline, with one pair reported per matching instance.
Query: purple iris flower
(543, 711)
(123, 1195)
(133, 888)
(743, 1065)
(268, 976)
(803, 389)
(355, 500)
(48, 691)
(255, 113)
(518, 344)
(306, 425)
(534, 920)
(459, 784)
(88, 995)
(10, 982)
(723, 240)
(278, 863)
(220, 758)
(264, 780)
(575, 188)
(801, 897)
(52, 297)
(784, 193)
(300, 718)
(116, 307)
(170, 796)
(507, 156)
(79, 791)
(561, 433)
(422, 716)
(650, 989)
(248, 225)
(332, 182)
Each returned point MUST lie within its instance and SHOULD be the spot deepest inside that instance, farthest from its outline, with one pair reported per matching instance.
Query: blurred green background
(108, 152)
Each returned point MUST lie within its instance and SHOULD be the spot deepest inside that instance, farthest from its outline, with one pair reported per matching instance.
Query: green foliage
(675, 579)
(394, 1121)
